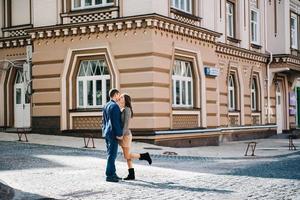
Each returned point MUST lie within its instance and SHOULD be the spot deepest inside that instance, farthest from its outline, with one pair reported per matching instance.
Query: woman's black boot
(146, 156)
(131, 175)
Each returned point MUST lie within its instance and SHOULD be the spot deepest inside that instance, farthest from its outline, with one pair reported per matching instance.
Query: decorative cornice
(287, 59)
(10, 42)
(240, 52)
(136, 22)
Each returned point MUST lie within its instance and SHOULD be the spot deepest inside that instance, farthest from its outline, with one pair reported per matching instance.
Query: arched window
(231, 93)
(93, 84)
(254, 95)
(182, 84)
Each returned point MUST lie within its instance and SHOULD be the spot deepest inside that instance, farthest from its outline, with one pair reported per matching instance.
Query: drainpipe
(268, 66)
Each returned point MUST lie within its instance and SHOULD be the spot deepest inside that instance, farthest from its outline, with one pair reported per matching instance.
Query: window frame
(232, 20)
(257, 24)
(189, 99)
(94, 79)
(294, 16)
(82, 5)
(233, 89)
(173, 5)
(254, 95)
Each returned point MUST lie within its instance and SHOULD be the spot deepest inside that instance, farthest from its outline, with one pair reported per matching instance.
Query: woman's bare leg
(128, 156)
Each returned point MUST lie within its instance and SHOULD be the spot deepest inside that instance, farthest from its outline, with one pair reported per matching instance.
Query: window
(93, 84)
(183, 5)
(230, 19)
(294, 32)
(182, 84)
(231, 93)
(254, 26)
(82, 4)
(254, 95)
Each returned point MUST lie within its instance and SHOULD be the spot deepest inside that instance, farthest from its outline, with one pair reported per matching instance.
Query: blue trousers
(112, 151)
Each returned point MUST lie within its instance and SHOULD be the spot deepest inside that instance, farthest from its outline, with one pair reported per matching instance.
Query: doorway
(21, 102)
(279, 108)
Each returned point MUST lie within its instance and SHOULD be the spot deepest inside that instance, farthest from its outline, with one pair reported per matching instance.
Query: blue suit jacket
(111, 122)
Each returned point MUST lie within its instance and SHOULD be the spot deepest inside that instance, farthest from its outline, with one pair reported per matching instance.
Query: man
(112, 131)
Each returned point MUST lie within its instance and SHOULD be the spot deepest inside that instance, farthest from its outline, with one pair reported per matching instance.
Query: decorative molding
(241, 53)
(11, 42)
(137, 22)
(185, 17)
(286, 58)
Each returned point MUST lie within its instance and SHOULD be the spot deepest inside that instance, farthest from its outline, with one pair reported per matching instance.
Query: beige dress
(127, 136)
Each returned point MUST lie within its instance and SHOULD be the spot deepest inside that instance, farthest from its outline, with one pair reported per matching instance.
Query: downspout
(268, 66)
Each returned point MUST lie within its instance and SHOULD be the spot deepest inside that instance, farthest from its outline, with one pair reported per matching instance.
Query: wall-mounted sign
(292, 111)
(292, 99)
(211, 71)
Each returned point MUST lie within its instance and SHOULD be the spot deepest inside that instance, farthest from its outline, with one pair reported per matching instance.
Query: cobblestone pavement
(41, 171)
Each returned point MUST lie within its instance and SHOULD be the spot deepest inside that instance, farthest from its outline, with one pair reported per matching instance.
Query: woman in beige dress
(125, 142)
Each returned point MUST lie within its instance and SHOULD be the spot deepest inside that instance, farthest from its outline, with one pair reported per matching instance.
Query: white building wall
(278, 43)
(45, 12)
(242, 22)
(262, 27)
(140, 7)
(208, 14)
(20, 12)
(221, 20)
(1, 17)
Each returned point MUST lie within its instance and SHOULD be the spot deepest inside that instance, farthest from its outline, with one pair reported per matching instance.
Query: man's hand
(119, 138)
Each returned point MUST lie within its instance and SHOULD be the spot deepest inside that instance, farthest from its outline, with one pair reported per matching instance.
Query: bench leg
(93, 142)
(253, 149)
(247, 150)
(26, 137)
(85, 144)
(20, 137)
(87, 141)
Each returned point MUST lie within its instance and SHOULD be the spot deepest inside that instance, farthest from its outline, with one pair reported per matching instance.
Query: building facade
(199, 72)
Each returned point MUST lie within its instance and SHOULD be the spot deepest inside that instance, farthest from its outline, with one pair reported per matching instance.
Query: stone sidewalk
(269, 147)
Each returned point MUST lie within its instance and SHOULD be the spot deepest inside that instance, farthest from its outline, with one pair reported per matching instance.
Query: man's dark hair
(112, 92)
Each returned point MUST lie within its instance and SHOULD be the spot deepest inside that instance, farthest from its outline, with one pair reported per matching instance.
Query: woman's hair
(127, 99)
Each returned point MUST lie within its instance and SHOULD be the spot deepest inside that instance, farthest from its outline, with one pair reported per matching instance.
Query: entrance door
(279, 108)
(298, 106)
(21, 102)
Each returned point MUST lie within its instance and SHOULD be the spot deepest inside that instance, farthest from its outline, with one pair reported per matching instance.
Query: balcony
(185, 17)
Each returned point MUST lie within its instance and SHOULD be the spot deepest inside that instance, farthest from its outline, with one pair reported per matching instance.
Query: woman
(125, 143)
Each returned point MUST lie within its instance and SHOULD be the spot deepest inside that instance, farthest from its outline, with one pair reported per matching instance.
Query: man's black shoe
(112, 179)
(117, 177)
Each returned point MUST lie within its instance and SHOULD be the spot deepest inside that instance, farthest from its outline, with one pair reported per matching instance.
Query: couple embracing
(117, 114)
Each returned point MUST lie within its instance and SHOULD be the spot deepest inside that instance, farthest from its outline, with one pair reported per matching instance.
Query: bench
(253, 146)
(87, 138)
(291, 143)
(21, 132)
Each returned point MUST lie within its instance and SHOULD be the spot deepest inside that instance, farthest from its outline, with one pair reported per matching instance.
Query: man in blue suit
(112, 131)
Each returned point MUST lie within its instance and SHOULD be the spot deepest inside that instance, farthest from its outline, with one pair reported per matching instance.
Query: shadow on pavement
(171, 186)
(26, 195)
(18, 156)
(82, 193)
(287, 167)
